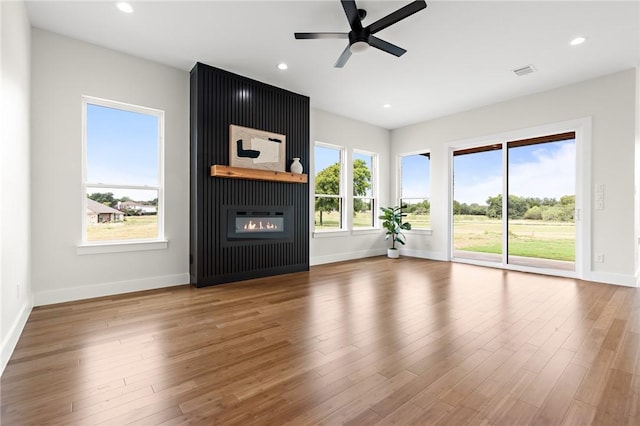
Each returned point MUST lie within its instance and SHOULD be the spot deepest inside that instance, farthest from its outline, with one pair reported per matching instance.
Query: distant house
(138, 208)
(99, 213)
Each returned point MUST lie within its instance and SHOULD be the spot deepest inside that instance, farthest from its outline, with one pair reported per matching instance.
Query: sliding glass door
(542, 188)
(535, 228)
(477, 219)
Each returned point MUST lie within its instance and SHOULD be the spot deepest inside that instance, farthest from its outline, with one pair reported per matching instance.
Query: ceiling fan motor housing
(359, 41)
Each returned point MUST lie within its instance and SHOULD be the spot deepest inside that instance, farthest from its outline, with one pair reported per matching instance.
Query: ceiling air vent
(524, 70)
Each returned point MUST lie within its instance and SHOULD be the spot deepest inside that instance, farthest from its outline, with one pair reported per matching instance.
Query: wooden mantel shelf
(218, 170)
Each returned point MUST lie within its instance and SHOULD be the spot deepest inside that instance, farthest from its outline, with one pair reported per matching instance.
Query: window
(364, 205)
(415, 188)
(329, 187)
(122, 176)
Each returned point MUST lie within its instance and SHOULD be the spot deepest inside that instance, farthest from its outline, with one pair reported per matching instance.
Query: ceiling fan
(360, 38)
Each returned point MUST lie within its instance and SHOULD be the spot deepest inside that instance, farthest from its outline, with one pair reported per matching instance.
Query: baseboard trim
(11, 340)
(71, 294)
(422, 254)
(612, 278)
(341, 257)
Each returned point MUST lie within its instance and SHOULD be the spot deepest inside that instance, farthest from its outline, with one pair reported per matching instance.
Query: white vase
(393, 253)
(296, 167)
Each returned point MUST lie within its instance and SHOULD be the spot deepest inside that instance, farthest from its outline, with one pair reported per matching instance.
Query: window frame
(107, 246)
(400, 156)
(342, 153)
(374, 190)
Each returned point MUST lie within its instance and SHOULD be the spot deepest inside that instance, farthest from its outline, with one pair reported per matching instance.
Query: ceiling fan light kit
(360, 38)
(359, 47)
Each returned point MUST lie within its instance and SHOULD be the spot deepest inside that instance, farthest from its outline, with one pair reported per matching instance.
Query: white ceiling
(460, 54)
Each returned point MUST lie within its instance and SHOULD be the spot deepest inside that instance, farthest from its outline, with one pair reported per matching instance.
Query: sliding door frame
(582, 129)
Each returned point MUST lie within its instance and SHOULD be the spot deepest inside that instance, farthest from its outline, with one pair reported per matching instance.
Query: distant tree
(517, 207)
(567, 200)
(361, 177)
(361, 183)
(555, 213)
(477, 209)
(534, 213)
(328, 183)
(423, 207)
(457, 207)
(105, 198)
(494, 207)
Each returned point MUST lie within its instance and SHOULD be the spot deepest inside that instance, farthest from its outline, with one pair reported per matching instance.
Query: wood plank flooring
(373, 341)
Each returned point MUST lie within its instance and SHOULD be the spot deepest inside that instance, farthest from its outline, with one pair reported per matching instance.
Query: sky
(543, 170)
(324, 157)
(122, 149)
(415, 180)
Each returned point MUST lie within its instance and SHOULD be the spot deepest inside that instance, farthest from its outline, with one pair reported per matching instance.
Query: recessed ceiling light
(578, 40)
(282, 66)
(386, 106)
(125, 7)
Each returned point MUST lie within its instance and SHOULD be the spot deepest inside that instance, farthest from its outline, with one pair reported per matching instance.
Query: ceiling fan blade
(351, 10)
(386, 46)
(344, 57)
(314, 36)
(398, 15)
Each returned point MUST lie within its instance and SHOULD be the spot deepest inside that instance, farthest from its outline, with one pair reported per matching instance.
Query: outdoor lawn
(477, 233)
(133, 227)
(528, 238)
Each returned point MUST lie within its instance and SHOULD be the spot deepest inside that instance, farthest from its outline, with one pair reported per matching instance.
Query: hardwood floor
(373, 341)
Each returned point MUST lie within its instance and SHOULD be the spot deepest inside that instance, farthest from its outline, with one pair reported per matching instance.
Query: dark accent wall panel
(220, 98)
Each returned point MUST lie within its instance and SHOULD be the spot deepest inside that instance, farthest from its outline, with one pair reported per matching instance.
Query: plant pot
(393, 253)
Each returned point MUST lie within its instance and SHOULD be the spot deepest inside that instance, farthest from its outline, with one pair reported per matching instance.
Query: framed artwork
(256, 149)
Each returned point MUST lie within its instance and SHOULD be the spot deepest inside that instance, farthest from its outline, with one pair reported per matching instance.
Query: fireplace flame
(259, 225)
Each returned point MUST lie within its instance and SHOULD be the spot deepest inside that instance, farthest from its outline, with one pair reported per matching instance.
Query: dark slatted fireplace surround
(240, 228)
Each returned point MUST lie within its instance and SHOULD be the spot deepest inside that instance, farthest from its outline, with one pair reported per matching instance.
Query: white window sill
(347, 233)
(419, 231)
(121, 247)
(366, 231)
(330, 234)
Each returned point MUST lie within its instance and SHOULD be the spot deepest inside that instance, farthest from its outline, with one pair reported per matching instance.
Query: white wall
(63, 70)
(15, 264)
(636, 179)
(351, 134)
(609, 101)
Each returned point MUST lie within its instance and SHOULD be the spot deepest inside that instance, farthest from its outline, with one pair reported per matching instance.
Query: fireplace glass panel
(259, 224)
(253, 224)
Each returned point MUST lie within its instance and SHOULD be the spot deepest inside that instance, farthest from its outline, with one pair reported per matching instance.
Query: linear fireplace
(259, 223)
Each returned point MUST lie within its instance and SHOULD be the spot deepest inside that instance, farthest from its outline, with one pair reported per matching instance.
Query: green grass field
(133, 228)
(527, 238)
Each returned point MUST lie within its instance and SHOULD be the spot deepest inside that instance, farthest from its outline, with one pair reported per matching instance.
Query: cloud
(552, 173)
(548, 173)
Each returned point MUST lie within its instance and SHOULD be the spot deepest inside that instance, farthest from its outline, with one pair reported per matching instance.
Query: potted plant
(392, 223)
